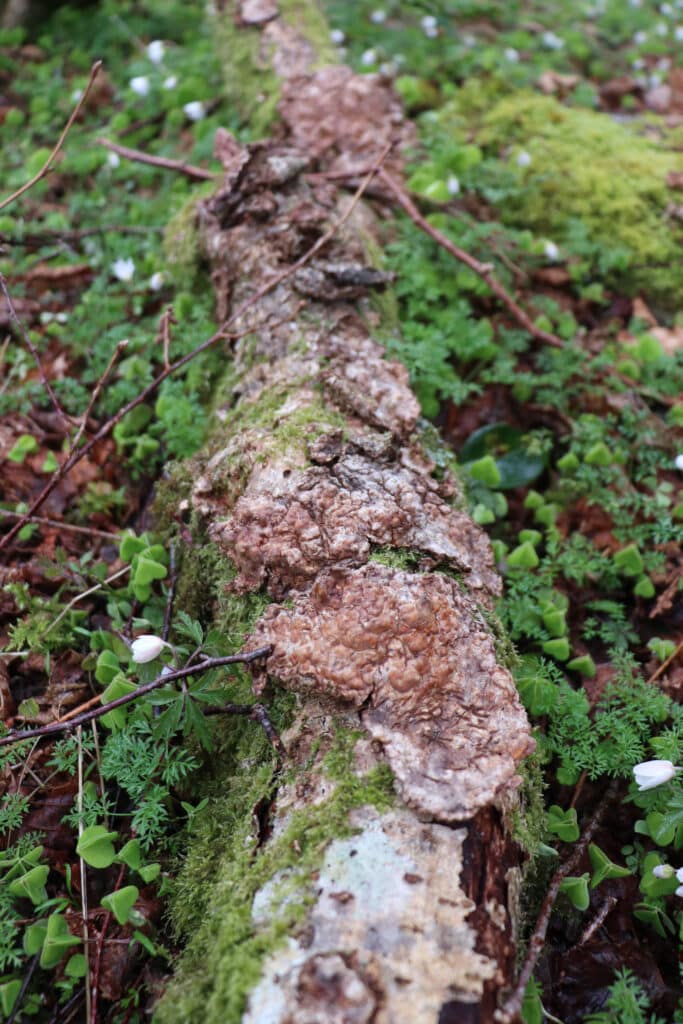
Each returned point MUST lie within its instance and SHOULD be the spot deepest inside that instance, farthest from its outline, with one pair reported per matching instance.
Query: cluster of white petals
(123, 269)
(649, 774)
(146, 648)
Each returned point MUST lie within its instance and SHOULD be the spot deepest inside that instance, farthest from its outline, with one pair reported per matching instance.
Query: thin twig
(18, 1002)
(86, 593)
(47, 166)
(97, 390)
(54, 728)
(166, 320)
(221, 334)
(88, 531)
(511, 1009)
(190, 170)
(84, 882)
(14, 316)
(99, 946)
(665, 664)
(482, 270)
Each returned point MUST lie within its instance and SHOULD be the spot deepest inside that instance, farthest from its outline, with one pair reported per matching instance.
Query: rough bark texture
(315, 477)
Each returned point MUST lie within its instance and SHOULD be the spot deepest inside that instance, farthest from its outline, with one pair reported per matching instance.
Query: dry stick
(41, 521)
(76, 456)
(121, 347)
(33, 350)
(510, 1011)
(84, 885)
(198, 173)
(665, 664)
(99, 946)
(482, 270)
(86, 593)
(47, 166)
(54, 728)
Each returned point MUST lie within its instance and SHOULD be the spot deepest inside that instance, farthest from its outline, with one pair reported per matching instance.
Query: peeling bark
(315, 465)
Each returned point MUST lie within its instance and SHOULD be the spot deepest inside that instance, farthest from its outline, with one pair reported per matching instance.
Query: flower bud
(665, 871)
(146, 648)
(649, 774)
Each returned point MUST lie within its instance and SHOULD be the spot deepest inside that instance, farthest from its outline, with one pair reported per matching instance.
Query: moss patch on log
(228, 864)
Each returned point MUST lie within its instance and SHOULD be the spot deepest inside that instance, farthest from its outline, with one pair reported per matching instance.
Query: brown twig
(197, 173)
(47, 166)
(510, 1010)
(87, 531)
(166, 320)
(99, 946)
(54, 728)
(97, 390)
(34, 352)
(665, 664)
(482, 270)
(221, 334)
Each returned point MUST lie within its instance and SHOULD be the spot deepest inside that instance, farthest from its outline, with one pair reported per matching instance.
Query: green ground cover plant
(567, 456)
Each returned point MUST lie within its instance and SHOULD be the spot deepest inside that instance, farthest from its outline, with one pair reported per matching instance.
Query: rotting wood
(317, 464)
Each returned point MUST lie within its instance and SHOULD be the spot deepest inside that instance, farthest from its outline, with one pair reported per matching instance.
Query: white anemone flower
(523, 159)
(156, 51)
(146, 648)
(123, 270)
(551, 41)
(378, 17)
(453, 185)
(649, 774)
(678, 462)
(195, 110)
(113, 159)
(156, 281)
(511, 54)
(551, 251)
(678, 33)
(368, 58)
(170, 82)
(665, 871)
(337, 36)
(140, 85)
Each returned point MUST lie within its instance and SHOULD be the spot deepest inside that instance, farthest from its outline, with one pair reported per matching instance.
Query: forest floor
(550, 148)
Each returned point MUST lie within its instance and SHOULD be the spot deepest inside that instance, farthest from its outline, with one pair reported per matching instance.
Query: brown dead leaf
(671, 339)
(552, 83)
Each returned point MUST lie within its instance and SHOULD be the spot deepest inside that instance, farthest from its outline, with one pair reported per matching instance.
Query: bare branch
(190, 170)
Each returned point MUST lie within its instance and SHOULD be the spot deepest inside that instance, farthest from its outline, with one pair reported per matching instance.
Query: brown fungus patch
(413, 652)
(289, 524)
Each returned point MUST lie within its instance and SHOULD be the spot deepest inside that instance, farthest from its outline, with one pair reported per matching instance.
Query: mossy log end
(371, 877)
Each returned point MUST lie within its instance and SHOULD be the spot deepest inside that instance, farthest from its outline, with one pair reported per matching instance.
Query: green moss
(586, 167)
(181, 239)
(308, 19)
(226, 866)
(396, 558)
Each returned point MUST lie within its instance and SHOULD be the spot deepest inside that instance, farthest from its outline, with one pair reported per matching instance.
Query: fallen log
(374, 875)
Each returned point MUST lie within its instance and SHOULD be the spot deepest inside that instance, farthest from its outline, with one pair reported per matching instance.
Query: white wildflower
(195, 110)
(156, 281)
(123, 270)
(661, 28)
(113, 159)
(378, 17)
(170, 82)
(551, 41)
(523, 159)
(640, 37)
(665, 871)
(649, 774)
(140, 85)
(678, 33)
(368, 58)
(453, 185)
(551, 251)
(428, 22)
(679, 891)
(511, 54)
(156, 51)
(146, 648)
(76, 95)
(678, 462)
(337, 36)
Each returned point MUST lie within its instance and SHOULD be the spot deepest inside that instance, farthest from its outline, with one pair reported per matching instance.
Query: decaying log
(318, 488)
